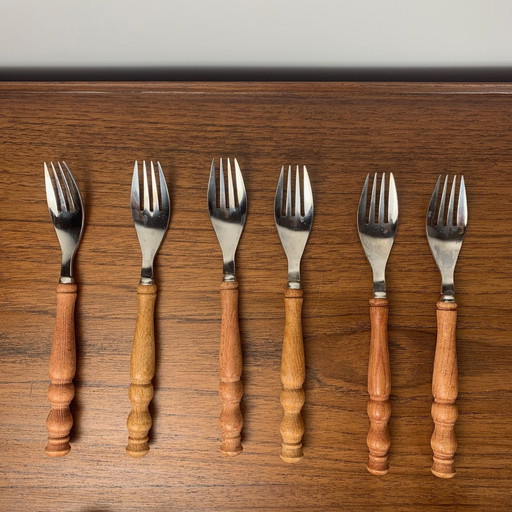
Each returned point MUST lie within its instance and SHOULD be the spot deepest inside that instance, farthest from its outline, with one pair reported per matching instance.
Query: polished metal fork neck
(229, 271)
(294, 259)
(66, 271)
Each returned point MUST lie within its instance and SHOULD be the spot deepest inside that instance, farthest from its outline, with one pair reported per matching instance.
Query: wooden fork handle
(62, 370)
(379, 388)
(293, 372)
(445, 390)
(230, 363)
(142, 371)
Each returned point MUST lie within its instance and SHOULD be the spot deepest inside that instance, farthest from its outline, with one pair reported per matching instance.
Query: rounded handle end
(292, 453)
(58, 447)
(231, 446)
(377, 465)
(137, 447)
(443, 468)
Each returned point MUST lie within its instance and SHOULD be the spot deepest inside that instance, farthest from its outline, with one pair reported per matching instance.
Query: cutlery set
(377, 221)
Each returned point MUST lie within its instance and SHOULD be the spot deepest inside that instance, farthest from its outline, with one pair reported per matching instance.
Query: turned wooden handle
(230, 362)
(293, 372)
(62, 370)
(142, 371)
(445, 390)
(379, 388)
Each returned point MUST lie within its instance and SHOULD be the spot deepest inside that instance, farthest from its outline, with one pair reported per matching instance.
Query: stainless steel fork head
(377, 235)
(151, 219)
(445, 236)
(294, 227)
(66, 212)
(227, 217)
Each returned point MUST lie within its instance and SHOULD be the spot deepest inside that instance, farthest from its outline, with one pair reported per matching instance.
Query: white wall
(329, 33)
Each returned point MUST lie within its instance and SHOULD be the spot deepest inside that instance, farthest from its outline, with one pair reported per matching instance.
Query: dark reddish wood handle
(230, 362)
(379, 388)
(445, 390)
(62, 370)
(293, 373)
(142, 371)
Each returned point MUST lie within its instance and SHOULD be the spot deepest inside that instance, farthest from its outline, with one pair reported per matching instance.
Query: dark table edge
(260, 74)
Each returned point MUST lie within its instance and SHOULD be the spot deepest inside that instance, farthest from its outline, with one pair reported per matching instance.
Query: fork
(377, 236)
(151, 220)
(293, 229)
(66, 212)
(445, 239)
(228, 220)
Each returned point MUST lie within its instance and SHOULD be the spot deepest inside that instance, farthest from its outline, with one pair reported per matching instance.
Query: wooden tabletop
(341, 131)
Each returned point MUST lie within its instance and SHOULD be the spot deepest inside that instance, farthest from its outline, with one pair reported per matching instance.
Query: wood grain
(293, 374)
(445, 388)
(142, 371)
(379, 388)
(230, 363)
(341, 132)
(62, 370)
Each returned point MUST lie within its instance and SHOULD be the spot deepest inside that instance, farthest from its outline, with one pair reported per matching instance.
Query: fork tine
(50, 192)
(146, 205)
(361, 213)
(240, 186)
(135, 187)
(308, 193)
(371, 217)
(59, 190)
(392, 200)
(440, 214)
(212, 194)
(288, 207)
(462, 207)
(278, 201)
(75, 194)
(380, 215)
(431, 212)
(297, 192)
(231, 190)
(156, 206)
(222, 191)
(449, 216)
(66, 187)
(164, 192)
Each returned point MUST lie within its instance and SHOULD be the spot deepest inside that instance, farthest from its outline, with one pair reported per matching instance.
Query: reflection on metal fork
(227, 217)
(445, 236)
(294, 227)
(151, 220)
(377, 236)
(67, 214)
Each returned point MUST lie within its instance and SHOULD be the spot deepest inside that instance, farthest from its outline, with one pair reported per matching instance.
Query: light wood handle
(62, 370)
(445, 390)
(142, 371)
(230, 362)
(293, 373)
(379, 388)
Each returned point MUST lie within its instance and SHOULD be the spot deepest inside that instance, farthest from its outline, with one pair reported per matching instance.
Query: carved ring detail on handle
(379, 389)
(293, 372)
(230, 364)
(61, 390)
(445, 391)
